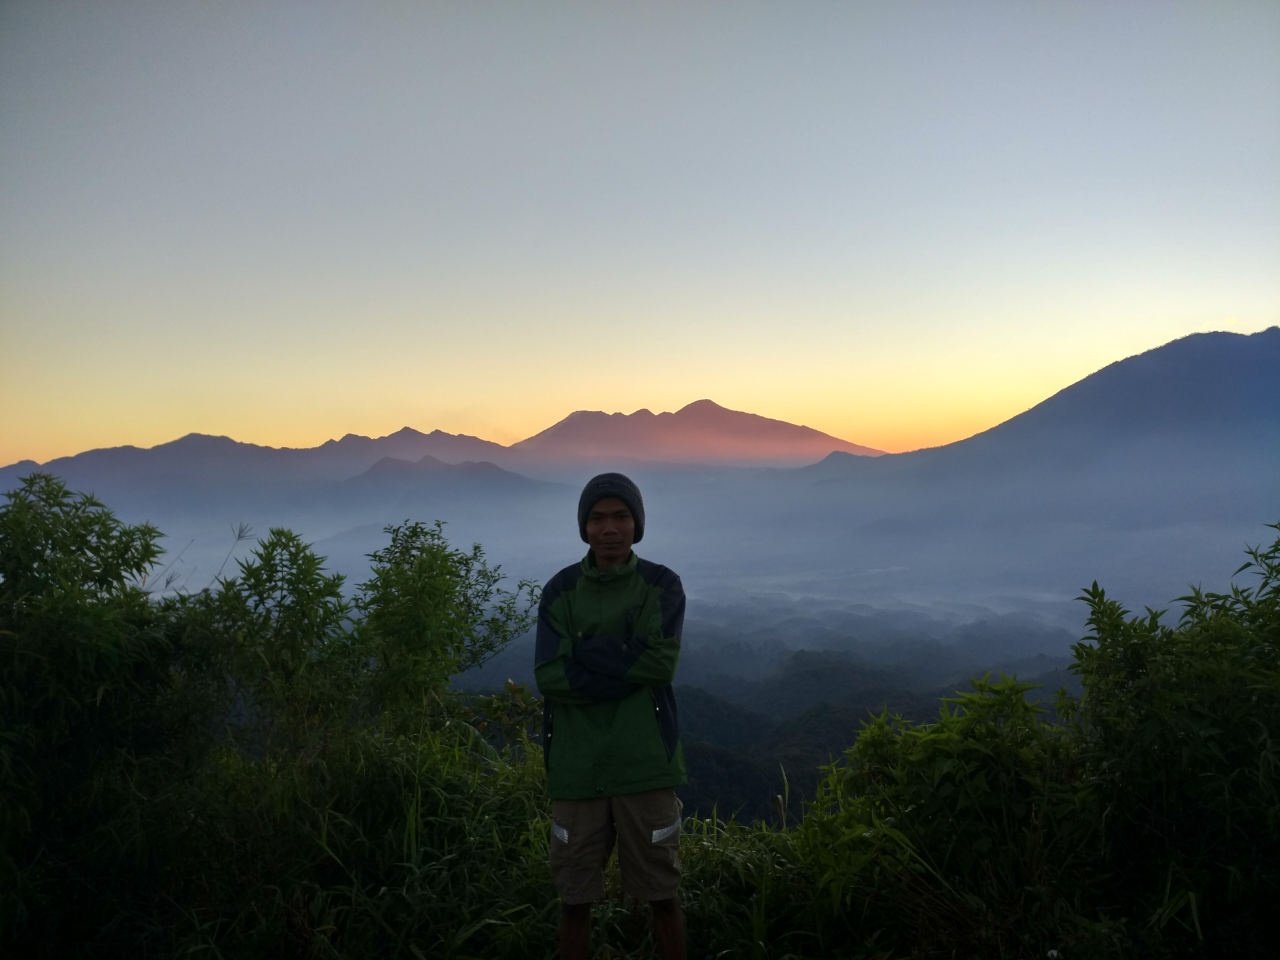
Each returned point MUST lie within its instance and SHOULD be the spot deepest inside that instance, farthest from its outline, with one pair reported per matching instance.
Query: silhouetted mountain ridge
(429, 474)
(410, 444)
(701, 432)
(1205, 390)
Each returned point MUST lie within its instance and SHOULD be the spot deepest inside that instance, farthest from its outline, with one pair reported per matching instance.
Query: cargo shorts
(644, 826)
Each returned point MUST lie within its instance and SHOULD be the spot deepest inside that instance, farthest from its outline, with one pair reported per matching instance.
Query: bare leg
(668, 928)
(575, 931)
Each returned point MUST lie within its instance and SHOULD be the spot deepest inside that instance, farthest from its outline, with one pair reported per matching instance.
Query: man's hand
(610, 656)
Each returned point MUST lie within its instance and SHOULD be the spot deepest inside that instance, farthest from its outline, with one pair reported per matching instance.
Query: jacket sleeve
(563, 677)
(643, 661)
(656, 666)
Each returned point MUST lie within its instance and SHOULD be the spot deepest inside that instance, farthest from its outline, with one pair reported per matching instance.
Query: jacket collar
(609, 574)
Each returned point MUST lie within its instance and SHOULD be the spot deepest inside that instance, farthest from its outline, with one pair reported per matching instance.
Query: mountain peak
(701, 405)
(1211, 381)
(699, 432)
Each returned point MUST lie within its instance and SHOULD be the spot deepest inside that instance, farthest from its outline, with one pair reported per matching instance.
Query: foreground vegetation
(276, 767)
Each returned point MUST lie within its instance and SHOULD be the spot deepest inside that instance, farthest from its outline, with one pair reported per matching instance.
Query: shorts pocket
(664, 832)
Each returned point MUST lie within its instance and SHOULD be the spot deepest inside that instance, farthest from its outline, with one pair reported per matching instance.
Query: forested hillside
(276, 766)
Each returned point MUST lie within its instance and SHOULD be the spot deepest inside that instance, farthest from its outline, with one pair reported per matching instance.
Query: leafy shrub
(253, 764)
(83, 671)
(1178, 731)
(973, 833)
(300, 661)
(1146, 823)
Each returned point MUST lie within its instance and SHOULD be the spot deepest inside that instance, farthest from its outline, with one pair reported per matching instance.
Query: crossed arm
(607, 667)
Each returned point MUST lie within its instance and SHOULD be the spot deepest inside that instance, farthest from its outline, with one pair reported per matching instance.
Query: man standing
(608, 641)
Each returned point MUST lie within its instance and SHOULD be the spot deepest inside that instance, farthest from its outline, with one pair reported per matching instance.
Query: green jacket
(607, 647)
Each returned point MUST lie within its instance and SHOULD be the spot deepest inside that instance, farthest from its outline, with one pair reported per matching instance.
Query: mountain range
(702, 432)
(1148, 475)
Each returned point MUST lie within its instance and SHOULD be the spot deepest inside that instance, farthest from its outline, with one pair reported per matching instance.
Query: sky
(900, 223)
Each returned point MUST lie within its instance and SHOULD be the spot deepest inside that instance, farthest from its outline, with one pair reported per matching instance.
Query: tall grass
(383, 845)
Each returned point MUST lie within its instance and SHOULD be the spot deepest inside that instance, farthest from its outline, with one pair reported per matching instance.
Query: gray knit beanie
(611, 485)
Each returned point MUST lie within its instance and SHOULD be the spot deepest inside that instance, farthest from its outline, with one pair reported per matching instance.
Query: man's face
(610, 530)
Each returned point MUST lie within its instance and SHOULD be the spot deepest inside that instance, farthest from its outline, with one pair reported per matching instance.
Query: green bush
(1177, 730)
(1146, 824)
(974, 833)
(266, 767)
(83, 678)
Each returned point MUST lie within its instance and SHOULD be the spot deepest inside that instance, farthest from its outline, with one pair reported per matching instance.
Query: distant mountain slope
(1206, 383)
(408, 444)
(1142, 476)
(1189, 402)
(702, 432)
(430, 467)
(201, 460)
(392, 476)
